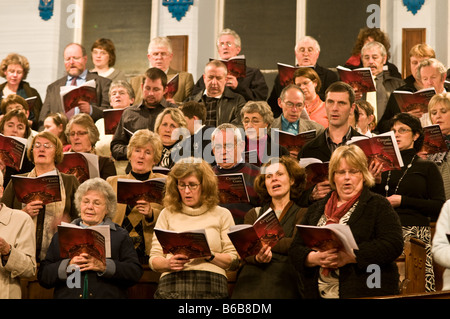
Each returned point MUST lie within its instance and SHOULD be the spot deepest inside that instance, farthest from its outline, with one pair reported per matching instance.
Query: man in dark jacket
(339, 104)
(222, 104)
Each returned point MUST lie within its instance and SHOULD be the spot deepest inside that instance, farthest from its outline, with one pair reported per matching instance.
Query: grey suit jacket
(304, 125)
(52, 102)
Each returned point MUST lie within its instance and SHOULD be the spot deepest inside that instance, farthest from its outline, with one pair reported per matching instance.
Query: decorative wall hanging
(413, 5)
(46, 9)
(178, 8)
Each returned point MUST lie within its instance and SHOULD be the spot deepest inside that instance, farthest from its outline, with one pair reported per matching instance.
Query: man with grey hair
(307, 51)
(292, 104)
(228, 146)
(432, 73)
(374, 56)
(222, 104)
(253, 86)
(160, 55)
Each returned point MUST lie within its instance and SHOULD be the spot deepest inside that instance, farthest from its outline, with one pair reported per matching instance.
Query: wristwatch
(210, 258)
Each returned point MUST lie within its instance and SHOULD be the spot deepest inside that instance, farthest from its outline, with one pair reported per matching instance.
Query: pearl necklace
(401, 178)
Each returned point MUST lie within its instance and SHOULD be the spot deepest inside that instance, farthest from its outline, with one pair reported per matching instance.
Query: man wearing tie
(75, 60)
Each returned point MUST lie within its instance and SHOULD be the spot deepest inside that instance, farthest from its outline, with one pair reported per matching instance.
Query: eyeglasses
(402, 130)
(76, 59)
(46, 145)
(192, 187)
(253, 121)
(351, 172)
(83, 133)
(162, 54)
(228, 147)
(291, 105)
(95, 203)
(223, 44)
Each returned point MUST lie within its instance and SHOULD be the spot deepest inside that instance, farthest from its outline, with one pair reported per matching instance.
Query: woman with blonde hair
(171, 126)
(334, 273)
(143, 151)
(191, 203)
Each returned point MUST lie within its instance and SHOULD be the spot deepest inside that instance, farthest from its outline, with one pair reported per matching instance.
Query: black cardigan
(422, 190)
(378, 234)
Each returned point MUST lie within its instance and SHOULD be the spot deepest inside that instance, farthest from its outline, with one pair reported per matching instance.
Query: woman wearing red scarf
(375, 226)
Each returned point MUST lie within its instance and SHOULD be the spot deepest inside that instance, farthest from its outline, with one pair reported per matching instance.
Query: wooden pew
(411, 265)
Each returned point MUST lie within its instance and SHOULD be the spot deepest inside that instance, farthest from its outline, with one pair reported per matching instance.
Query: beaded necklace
(401, 178)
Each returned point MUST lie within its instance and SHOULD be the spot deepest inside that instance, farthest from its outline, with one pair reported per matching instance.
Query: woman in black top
(417, 190)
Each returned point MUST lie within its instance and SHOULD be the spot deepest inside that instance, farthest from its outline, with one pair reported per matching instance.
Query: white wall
(433, 16)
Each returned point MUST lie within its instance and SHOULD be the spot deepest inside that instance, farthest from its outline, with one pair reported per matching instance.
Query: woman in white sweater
(191, 203)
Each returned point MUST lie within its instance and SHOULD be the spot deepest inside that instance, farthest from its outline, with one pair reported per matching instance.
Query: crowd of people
(225, 124)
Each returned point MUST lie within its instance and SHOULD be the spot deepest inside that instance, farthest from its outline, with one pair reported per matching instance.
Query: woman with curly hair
(191, 202)
(269, 274)
(14, 68)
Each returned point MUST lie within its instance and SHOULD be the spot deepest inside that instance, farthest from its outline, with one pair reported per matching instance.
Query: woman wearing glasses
(416, 192)
(330, 272)
(45, 152)
(83, 134)
(191, 203)
(257, 118)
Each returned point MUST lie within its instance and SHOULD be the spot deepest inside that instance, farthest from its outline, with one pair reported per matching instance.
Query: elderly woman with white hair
(256, 118)
(96, 202)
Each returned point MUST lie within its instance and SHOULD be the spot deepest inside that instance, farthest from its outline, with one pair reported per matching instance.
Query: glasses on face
(291, 105)
(192, 187)
(162, 54)
(225, 44)
(253, 121)
(305, 83)
(401, 130)
(45, 145)
(81, 133)
(351, 172)
(95, 203)
(228, 147)
(76, 59)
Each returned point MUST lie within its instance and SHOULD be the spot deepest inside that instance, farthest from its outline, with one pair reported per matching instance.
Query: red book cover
(193, 243)
(12, 151)
(381, 148)
(294, 142)
(316, 171)
(434, 141)
(45, 188)
(232, 189)
(31, 101)
(248, 239)
(236, 66)
(360, 79)
(172, 87)
(71, 95)
(111, 119)
(131, 190)
(74, 241)
(327, 237)
(82, 165)
(286, 73)
(408, 101)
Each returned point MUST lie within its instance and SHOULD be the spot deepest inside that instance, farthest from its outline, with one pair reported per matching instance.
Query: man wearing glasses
(75, 60)
(253, 86)
(228, 147)
(160, 55)
(292, 104)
